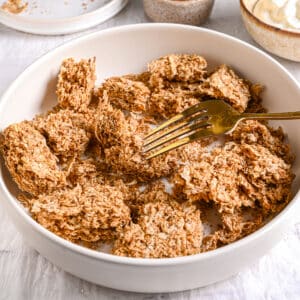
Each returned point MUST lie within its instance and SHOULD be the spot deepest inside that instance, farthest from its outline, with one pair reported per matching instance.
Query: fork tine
(194, 136)
(186, 129)
(188, 112)
(152, 138)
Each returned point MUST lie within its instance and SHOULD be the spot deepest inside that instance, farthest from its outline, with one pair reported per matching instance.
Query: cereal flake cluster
(82, 173)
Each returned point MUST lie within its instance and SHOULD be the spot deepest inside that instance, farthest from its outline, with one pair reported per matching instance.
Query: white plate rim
(63, 25)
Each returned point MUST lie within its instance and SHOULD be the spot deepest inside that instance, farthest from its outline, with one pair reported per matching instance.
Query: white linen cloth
(24, 274)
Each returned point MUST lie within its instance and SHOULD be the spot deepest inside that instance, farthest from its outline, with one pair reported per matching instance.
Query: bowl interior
(128, 49)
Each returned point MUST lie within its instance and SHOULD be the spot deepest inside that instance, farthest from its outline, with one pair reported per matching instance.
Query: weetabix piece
(67, 132)
(75, 84)
(177, 67)
(126, 94)
(29, 160)
(225, 84)
(90, 213)
(163, 229)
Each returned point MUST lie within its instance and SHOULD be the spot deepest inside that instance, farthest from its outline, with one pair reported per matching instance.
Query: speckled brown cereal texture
(66, 132)
(126, 94)
(163, 229)
(177, 67)
(90, 213)
(225, 84)
(122, 138)
(14, 6)
(234, 226)
(166, 102)
(253, 132)
(75, 84)
(29, 160)
(235, 176)
(85, 177)
(84, 171)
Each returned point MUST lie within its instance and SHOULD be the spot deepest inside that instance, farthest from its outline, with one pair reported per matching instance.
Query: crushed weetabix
(83, 174)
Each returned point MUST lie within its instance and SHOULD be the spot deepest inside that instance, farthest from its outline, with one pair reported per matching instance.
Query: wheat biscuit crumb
(67, 132)
(236, 176)
(126, 94)
(177, 67)
(14, 6)
(225, 84)
(84, 175)
(163, 229)
(28, 158)
(75, 84)
(90, 213)
(166, 103)
(122, 138)
(253, 132)
(234, 226)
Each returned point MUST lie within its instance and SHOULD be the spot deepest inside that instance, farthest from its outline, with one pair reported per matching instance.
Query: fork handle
(271, 116)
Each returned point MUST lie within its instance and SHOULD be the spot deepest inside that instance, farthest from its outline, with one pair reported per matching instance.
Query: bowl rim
(259, 22)
(150, 262)
(63, 20)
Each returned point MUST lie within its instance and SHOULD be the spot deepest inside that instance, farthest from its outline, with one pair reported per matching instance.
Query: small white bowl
(126, 50)
(192, 12)
(282, 42)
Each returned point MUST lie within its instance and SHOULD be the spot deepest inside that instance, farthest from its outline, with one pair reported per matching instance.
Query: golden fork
(208, 118)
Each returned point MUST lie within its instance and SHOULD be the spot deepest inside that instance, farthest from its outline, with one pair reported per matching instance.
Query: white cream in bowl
(279, 13)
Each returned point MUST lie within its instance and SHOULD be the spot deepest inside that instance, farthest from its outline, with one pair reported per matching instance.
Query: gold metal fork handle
(271, 116)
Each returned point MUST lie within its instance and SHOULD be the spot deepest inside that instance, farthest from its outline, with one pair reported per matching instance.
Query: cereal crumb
(235, 176)
(169, 102)
(163, 229)
(14, 6)
(66, 132)
(122, 139)
(89, 213)
(75, 83)
(28, 158)
(83, 174)
(225, 84)
(177, 67)
(126, 94)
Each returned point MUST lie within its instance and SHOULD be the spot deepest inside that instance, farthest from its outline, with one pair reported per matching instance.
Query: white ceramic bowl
(125, 50)
(282, 42)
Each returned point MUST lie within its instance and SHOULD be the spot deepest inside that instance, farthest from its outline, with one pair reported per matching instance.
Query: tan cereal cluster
(75, 84)
(225, 84)
(121, 138)
(163, 228)
(83, 175)
(14, 6)
(29, 160)
(127, 94)
(87, 213)
(177, 67)
(70, 125)
(233, 178)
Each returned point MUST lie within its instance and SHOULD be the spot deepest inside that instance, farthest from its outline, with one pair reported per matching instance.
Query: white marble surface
(24, 274)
